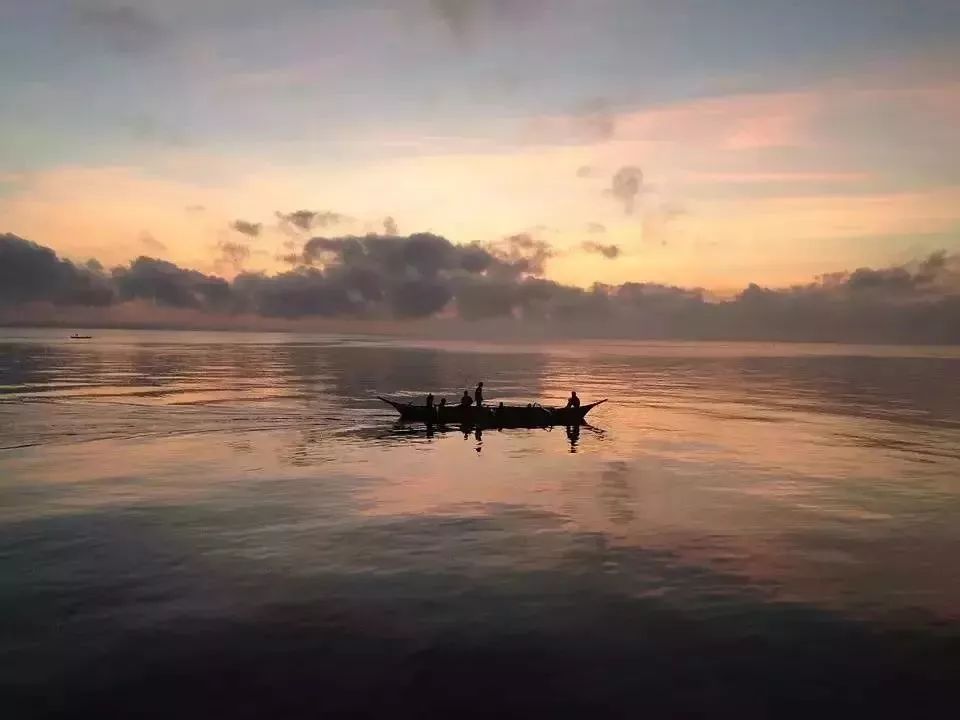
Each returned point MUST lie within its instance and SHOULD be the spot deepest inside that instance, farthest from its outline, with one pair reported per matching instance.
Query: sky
(695, 143)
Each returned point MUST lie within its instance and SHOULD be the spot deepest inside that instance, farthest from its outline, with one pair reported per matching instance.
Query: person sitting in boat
(499, 410)
(465, 400)
(478, 394)
(573, 401)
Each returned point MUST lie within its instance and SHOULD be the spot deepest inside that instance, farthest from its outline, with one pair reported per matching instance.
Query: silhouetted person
(573, 401)
(478, 394)
(465, 400)
(429, 400)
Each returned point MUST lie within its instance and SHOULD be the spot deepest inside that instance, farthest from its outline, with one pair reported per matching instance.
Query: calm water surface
(232, 525)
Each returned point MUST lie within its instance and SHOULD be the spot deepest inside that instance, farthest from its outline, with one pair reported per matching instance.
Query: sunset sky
(713, 143)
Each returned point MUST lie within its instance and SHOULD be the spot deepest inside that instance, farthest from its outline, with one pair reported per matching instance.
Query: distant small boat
(491, 416)
(81, 337)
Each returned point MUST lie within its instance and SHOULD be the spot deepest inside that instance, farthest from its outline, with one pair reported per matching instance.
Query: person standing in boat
(429, 401)
(478, 395)
(573, 401)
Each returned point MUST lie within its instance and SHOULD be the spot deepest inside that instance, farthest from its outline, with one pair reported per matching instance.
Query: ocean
(202, 524)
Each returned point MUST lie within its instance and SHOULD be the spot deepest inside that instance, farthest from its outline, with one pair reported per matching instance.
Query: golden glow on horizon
(717, 210)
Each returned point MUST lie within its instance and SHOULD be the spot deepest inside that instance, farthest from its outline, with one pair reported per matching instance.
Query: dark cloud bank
(499, 288)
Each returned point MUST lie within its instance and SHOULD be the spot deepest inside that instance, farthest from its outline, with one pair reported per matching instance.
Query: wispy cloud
(123, 28)
(232, 256)
(777, 177)
(732, 122)
(305, 220)
(151, 244)
(245, 227)
(595, 120)
(625, 186)
(468, 20)
(611, 251)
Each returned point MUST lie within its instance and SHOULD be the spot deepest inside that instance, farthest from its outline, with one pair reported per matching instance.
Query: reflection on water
(414, 431)
(766, 530)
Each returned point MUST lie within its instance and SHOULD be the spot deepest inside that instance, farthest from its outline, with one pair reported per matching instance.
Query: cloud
(522, 254)
(658, 217)
(390, 226)
(671, 210)
(164, 283)
(466, 19)
(122, 28)
(935, 275)
(247, 228)
(397, 276)
(596, 228)
(457, 14)
(625, 185)
(233, 255)
(611, 252)
(33, 273)
(754, 177)
(587, 123)
(310, 219)
(731, 123)
(195, 209)
(585, 171)
(424, 254)
(427, 276)
(151, 243)
(596, 121)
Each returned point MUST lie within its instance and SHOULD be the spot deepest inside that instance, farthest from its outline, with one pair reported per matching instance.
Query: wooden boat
(492, 416)
(81, 337)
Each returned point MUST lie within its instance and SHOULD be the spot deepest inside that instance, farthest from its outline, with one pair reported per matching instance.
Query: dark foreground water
(228, 525)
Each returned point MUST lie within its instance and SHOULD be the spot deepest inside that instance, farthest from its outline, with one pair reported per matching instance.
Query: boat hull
(492, 417)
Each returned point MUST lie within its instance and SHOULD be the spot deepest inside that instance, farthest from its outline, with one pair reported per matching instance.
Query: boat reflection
(418, 431)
